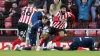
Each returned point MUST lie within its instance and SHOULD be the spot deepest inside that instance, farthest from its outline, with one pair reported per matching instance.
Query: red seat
(98, 33)
(91, 32)
(80, 33)
(92, 25)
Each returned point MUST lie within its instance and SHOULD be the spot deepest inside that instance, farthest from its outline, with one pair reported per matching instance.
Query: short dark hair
(63, 6)
(30, 2)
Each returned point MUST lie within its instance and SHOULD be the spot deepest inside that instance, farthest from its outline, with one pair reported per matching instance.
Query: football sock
(56, 39)
(17, 41)
(42, 41)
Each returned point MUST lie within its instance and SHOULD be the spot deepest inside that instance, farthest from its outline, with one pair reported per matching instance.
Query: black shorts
(53, 30)
(22, 28)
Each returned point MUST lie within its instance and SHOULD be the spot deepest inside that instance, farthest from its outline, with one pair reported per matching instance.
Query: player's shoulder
(68, 13)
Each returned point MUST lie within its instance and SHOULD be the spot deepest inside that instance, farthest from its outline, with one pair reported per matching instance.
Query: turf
(49, 53)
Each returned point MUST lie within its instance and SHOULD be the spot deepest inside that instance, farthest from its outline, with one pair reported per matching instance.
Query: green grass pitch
(49, 53)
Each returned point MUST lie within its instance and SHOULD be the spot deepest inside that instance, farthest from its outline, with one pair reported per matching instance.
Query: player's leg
(44, 40)
(32, 39)
(75, 44)
(45, 37)
(60, 35)
(92, 47)
(45, 44)
(22, 34)
(57, 38)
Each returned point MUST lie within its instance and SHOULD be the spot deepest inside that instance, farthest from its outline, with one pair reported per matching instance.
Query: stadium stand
(92, 33)
(80, 33)
(21, 3)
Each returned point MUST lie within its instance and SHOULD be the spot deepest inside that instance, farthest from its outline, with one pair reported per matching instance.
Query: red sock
(17, 41)
(56, 39)
(42, 41)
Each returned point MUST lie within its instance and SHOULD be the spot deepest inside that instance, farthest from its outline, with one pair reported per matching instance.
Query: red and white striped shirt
(59, 24)
(26, 15)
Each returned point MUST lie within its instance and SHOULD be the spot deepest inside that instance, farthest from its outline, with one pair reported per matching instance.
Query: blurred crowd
(86, 12)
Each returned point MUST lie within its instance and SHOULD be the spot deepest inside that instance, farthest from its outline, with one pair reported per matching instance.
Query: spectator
(55, 7)
(49, 2)
(15, 13)
(72, 7)
(98, 8)
(98, 15)
(1, 17)
(98, 22)
(63, 1)
(93, 9)
(38, 3)
(8, 5)
(83, 16)
(42, 3)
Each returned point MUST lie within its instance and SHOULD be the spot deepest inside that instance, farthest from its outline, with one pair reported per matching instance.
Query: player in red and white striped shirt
(59, 21)
(26, 14)
(24, 22)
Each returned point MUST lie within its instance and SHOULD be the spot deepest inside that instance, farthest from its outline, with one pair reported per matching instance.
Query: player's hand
(10, 14)
(30, 25)
(62, 20)
(39, 10)
(13, 11)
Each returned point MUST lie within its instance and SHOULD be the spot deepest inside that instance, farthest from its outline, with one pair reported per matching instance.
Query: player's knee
(61, 33)
(22, 39)
(47, 36)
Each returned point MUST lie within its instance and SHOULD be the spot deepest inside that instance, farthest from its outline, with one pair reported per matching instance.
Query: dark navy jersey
(32, 36)
(35, 27)
(87, 42)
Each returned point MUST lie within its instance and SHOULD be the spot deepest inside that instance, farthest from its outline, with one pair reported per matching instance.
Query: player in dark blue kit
(87, 42)
(36, 23)
(37, 27)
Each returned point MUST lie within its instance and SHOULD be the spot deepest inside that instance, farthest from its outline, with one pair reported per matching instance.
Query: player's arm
(56, 17)
(40, 10)
(30, 25)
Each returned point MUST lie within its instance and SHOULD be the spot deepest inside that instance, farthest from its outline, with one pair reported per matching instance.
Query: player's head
(40, 15)
(45, 20)
(63, 9)
(97, 45)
